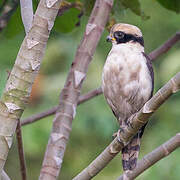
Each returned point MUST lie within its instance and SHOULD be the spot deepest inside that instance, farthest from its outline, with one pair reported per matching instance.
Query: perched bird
(127, 82)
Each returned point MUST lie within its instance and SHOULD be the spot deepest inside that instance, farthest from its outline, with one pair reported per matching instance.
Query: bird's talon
(118, 134)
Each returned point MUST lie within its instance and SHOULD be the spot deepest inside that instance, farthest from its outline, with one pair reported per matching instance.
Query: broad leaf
(133, 5)
(67, 22)
(15, 25)
(173, 5)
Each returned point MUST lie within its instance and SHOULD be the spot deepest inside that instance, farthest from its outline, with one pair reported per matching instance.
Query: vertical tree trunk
(27, 64)
(62, 123)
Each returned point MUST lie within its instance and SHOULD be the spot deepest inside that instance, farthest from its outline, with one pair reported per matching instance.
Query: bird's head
(124, 33)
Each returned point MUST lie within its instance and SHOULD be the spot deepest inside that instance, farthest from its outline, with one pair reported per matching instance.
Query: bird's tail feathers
(130, 154)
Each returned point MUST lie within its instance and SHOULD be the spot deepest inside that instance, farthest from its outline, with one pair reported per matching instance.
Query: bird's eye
(119, 35)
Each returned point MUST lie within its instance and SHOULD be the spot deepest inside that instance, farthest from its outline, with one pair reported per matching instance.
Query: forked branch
(153, 157)
(83, 98)
(62, 123)
(134, 124)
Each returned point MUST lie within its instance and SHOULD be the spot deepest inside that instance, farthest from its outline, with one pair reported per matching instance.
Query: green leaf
(173, 5)
(67, 22)
(133, 5)
(15, 25)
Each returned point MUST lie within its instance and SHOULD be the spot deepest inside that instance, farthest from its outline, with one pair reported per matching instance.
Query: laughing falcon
(127, 82)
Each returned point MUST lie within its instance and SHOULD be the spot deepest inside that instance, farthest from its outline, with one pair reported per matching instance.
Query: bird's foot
(117, 134)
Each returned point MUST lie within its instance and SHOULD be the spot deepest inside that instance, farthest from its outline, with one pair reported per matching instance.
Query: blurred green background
(94, 123)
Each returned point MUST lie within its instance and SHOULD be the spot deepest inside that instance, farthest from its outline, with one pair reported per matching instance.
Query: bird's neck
(134, 46)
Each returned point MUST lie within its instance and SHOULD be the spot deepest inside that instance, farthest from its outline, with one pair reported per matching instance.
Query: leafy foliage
(67, 22)
(15, 25)
(173, 5)
(133, 5)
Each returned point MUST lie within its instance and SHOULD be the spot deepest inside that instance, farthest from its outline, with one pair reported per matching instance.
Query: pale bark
(27, 18)
(4, 176)
(83, 98)
(27, 64)
(153, 157)
(134, 124)
(27, 14)
(62, 122)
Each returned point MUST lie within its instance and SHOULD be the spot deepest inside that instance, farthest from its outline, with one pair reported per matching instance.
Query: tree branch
(21, 151)
(82, 99)
(153, 157)
(165, 47)
(134, 124)
(27, 14)
(4, 176)
(62, 123)
(153, 55)
(27, 64)
(27, 18)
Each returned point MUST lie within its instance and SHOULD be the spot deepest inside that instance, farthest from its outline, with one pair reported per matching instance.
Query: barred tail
(130, 154)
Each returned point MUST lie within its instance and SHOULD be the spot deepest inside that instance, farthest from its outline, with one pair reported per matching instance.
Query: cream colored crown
(126, 28)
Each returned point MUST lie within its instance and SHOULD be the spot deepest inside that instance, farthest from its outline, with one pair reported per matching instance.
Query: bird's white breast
(126, 81)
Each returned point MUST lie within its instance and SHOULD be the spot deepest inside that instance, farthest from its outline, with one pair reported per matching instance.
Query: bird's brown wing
(130, 152)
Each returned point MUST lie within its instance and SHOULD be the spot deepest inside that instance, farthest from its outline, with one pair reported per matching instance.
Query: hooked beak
(110, 39)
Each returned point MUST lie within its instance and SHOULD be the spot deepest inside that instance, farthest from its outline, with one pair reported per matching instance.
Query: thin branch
(27, 14)
(27, 18)
(165, 46)
(4, 176)
(62, 122)
(153, 157)
(134, 124)
(82, 99)
(153, 55)
(19, 84)
(21, 151)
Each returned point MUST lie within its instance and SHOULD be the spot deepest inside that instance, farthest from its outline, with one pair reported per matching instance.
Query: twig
(153, 157)
(82, 99)
(134, 124)
(27, 14)
(165, 46)
(19, 84)
(62, 123)
(21, 151)
(4, 176)
(153, 55)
